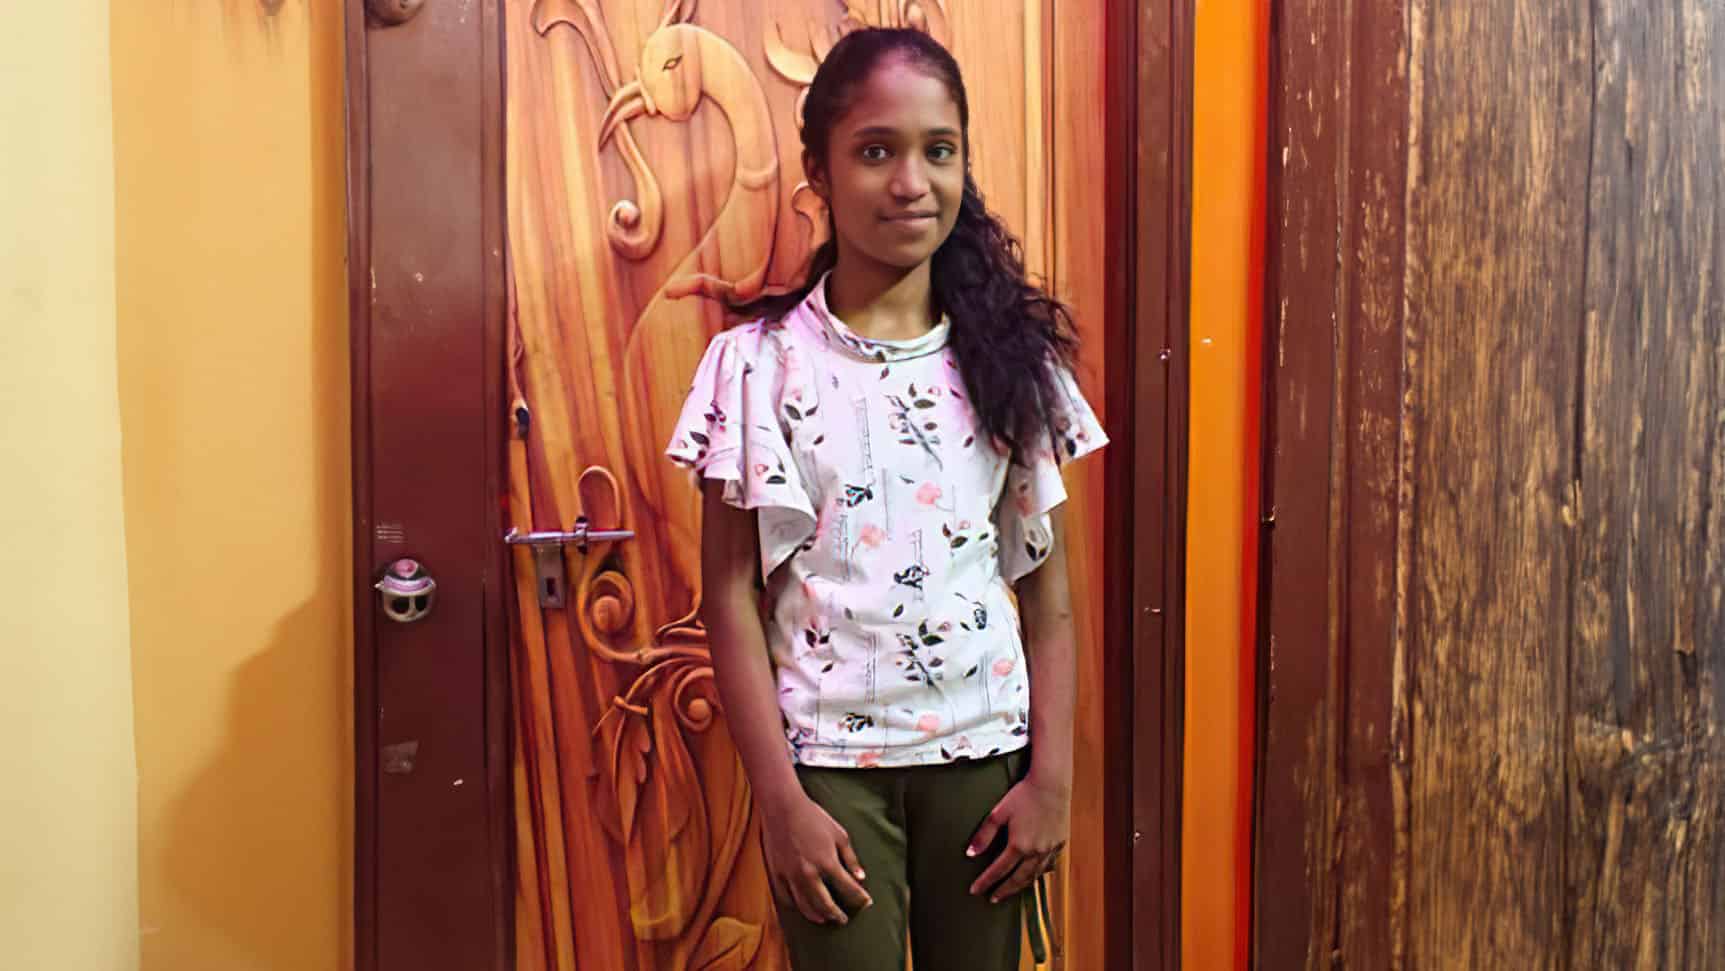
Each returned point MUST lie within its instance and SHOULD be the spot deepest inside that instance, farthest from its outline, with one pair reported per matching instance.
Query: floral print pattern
(889, 533)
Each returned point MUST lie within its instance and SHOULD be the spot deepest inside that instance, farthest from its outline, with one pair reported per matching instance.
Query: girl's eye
(874, 153)
(942, 153)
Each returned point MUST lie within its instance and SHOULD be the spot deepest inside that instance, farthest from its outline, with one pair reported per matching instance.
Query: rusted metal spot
(398, 758)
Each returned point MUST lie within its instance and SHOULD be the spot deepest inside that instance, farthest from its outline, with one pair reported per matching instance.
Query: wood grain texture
(1646, 851)
(1298, 785)
(1493, 227)
(1493, 692)
(1334, 357)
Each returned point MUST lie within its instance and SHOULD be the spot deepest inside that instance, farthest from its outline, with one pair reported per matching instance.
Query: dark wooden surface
(1496, 455)
(1646, 852)
(1496, 223)
(1332, 434)
(1150, 98)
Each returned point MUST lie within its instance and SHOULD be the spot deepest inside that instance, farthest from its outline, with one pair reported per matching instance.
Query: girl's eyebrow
(879, 131)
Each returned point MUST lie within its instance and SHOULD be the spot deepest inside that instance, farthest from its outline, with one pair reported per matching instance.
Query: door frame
(1147, 127)
(1149, 113)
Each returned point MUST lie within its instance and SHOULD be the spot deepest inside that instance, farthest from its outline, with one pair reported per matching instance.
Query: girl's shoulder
(758, 336)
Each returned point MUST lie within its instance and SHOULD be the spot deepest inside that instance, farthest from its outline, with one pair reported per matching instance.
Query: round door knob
(408, 591)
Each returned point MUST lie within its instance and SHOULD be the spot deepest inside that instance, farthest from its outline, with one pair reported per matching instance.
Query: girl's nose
(909, 181)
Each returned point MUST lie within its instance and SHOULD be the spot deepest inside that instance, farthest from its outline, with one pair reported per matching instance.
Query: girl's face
(895, 168)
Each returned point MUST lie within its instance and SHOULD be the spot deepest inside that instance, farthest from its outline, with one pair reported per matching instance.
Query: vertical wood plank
(1069, 195)
(1150, 90)
(1295, 880)
(1494, 249)
(1646, 813)
(1371, 828)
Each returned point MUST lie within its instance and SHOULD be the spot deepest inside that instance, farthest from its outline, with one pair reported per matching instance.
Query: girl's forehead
(901, 95)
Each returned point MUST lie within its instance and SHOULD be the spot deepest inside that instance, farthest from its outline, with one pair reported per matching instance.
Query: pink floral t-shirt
(890, 529)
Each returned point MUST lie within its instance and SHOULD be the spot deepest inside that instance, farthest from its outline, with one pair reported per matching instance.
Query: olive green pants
(909, 828)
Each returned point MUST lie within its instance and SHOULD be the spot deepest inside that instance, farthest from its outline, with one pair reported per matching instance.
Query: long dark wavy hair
(1007, 332)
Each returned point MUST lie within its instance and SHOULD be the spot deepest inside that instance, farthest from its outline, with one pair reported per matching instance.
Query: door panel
(630, 218)
(429, 736)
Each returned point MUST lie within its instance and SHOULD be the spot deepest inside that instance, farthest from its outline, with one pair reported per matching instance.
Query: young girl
(881, 450)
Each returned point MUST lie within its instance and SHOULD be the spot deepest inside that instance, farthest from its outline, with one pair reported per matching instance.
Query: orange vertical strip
(1227, 287)
(1253, 468)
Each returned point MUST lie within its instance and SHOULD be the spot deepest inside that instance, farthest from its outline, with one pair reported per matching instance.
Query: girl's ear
(814, 175)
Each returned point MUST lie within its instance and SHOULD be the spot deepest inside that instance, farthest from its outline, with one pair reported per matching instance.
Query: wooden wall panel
(1498, 167)
(1646, 849)
(1331, 779)
(1493, 699)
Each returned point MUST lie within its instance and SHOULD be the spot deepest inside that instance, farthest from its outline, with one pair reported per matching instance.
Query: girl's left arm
(1036, 813)
(1051, 642)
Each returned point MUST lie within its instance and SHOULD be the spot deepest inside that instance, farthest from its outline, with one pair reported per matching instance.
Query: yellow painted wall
(1227, 257)
(68, 805)
(228, 143)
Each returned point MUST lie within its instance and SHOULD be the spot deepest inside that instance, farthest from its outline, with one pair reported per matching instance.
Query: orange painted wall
(1227, 258)
(232, 354)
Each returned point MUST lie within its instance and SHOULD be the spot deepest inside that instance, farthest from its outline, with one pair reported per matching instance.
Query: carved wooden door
(546, 197)
(653, 169)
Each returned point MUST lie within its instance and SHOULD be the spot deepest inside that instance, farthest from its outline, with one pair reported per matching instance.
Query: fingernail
(861, 875)
(970, 851)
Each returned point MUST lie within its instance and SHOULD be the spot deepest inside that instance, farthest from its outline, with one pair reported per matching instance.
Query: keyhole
(550, 588)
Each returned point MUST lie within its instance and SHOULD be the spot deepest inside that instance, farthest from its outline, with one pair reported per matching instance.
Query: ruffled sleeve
(729, 431)
(1033, 489)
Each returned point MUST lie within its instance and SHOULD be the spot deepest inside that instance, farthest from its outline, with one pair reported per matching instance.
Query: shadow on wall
(248, 809)
(246, 846)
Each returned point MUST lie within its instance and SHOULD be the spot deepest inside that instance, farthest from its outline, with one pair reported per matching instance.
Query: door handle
(548, 547)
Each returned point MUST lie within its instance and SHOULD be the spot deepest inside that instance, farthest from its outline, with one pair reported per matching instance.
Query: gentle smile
(911, 217)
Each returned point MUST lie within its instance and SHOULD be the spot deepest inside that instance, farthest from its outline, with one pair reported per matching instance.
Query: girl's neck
(882, 303)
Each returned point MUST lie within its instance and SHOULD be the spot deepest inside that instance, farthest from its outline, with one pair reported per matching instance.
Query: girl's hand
(1037, 818)
(808, 851)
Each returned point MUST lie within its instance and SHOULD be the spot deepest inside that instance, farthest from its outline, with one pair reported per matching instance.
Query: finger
(847, 885)
(822, 898)
(984, 836)
(1022, 876)
(848, 856)
(1003, 864)
(813, 902)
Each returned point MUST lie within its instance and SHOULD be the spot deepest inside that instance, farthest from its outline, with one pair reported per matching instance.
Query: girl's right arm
(806, 850)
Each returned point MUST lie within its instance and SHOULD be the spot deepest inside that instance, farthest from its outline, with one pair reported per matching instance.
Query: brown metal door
(426, 298)
(544, 779)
